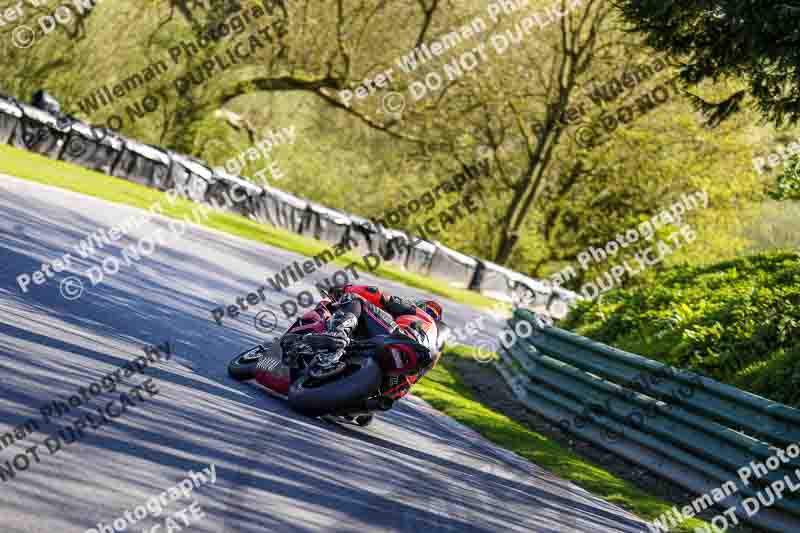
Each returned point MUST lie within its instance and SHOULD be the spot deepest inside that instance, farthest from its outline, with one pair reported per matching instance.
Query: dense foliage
(737, 321)
(756, 42)
(787, 186)
(549, 195)
(588, 133)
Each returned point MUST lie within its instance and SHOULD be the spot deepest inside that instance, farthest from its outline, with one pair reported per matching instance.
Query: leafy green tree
(547, 198)
(787, 185)
(755, 42)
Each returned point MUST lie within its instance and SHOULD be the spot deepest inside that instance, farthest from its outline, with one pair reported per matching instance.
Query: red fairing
(277, 378)
(405, 321)
(274, 382)
(313, 321)
(376, 297)
(371, 294)
(397, 359)
(402, 389)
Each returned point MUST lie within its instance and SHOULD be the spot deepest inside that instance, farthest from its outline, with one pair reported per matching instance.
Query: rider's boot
(340, 330)
(342, 325)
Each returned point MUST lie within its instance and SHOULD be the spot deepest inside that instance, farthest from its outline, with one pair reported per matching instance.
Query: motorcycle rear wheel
(340, 394)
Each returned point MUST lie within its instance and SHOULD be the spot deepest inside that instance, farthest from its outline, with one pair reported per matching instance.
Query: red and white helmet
(432, 308)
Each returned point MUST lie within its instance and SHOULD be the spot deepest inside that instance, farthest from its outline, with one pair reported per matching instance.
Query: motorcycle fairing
(272, 373)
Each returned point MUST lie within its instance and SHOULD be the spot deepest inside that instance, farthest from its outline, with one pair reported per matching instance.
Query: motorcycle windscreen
(272, 373)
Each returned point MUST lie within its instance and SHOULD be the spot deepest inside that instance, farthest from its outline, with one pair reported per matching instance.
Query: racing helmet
(432, 308)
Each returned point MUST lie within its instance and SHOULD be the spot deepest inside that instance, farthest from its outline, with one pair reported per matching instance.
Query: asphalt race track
(413, 470)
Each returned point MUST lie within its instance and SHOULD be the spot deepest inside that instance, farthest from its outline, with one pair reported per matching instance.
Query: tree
(553, 78)
(787, 185)
(756, 43)
(508, 92)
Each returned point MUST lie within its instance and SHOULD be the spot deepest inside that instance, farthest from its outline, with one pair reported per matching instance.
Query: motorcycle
(365, 381)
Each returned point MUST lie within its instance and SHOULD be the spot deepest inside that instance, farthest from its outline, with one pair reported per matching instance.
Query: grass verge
(445, 391)
(39, 169)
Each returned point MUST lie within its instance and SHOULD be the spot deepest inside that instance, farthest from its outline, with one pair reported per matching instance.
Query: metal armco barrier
(40, 132)
(458, 269)
(689, 429)
(191, 176)
(391, 246)
(92, 148)
(10, 117)
(493, 280)
(234, 194)
(61, 137)
(285, 210)
(420, 257)
(143, 164)
(362, 235)
(328, 224)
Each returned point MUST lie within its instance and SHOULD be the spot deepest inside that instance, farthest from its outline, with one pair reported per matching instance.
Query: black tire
(243, 366)
(364, 420)
(344, 393)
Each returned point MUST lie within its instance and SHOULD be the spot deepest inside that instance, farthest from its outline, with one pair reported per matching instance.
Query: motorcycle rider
(363, 311)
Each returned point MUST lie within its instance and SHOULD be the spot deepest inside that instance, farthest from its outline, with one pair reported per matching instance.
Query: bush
(737, 322)
(787, 185)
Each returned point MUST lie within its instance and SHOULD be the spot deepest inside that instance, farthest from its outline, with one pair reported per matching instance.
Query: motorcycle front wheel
(346, 391)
